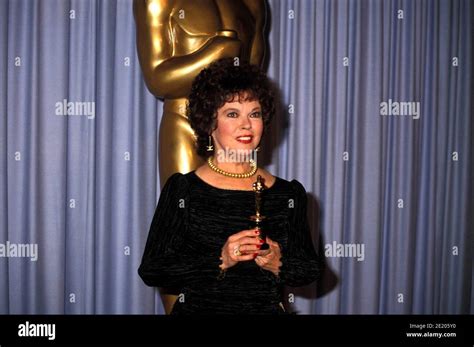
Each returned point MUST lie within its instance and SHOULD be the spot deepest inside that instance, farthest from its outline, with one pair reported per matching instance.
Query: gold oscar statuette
(258, 218)
(176, 39)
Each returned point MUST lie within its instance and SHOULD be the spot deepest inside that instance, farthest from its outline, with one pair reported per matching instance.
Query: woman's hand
(269, 259)
(245, 241)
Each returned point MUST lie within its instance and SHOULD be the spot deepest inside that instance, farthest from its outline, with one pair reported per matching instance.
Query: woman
(201, 238)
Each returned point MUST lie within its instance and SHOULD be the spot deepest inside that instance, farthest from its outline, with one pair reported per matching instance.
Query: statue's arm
(258, 10)
(169, 76)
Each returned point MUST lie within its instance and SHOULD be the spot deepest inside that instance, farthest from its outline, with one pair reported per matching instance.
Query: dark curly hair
(219, 83)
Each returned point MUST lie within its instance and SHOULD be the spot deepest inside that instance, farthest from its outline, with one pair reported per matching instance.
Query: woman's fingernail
(258, 246)
(255, 255)
(261, 241)
(257, 232)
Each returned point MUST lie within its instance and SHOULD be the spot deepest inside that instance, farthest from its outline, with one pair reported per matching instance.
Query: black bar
(291, 329)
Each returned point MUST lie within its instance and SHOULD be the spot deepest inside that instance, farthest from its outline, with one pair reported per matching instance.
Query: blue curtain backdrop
(391, 196)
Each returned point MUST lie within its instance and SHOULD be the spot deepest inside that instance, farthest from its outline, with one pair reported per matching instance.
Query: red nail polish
(258, 246)
(255, 255)
(262, 241)
(257, 232)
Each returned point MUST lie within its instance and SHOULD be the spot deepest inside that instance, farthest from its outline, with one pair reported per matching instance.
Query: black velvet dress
(191, 224)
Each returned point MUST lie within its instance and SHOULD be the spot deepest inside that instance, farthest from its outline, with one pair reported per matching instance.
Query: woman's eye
(232, 114)
(256, 115)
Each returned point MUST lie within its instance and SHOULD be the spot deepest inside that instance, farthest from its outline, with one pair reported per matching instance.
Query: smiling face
(239, 125)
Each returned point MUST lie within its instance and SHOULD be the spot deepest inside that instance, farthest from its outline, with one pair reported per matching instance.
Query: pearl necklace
(231, 174)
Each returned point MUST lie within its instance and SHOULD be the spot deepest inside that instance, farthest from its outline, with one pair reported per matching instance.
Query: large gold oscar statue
(176, 39)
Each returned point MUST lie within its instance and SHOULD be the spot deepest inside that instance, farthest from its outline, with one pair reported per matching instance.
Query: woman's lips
(245, 139)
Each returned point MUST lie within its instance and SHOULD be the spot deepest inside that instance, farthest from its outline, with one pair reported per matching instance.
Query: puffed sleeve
(165, 261)
(300, 263)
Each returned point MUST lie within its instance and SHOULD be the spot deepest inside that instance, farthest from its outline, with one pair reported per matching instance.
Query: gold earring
(210, 147)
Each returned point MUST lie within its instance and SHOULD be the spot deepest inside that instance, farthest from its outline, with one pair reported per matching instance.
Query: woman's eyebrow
(231, 109)
(236, 109)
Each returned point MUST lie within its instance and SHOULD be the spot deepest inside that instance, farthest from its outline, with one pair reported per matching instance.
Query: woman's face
(239, 125)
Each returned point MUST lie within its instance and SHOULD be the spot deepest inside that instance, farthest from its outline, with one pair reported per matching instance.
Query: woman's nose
(245, 123)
